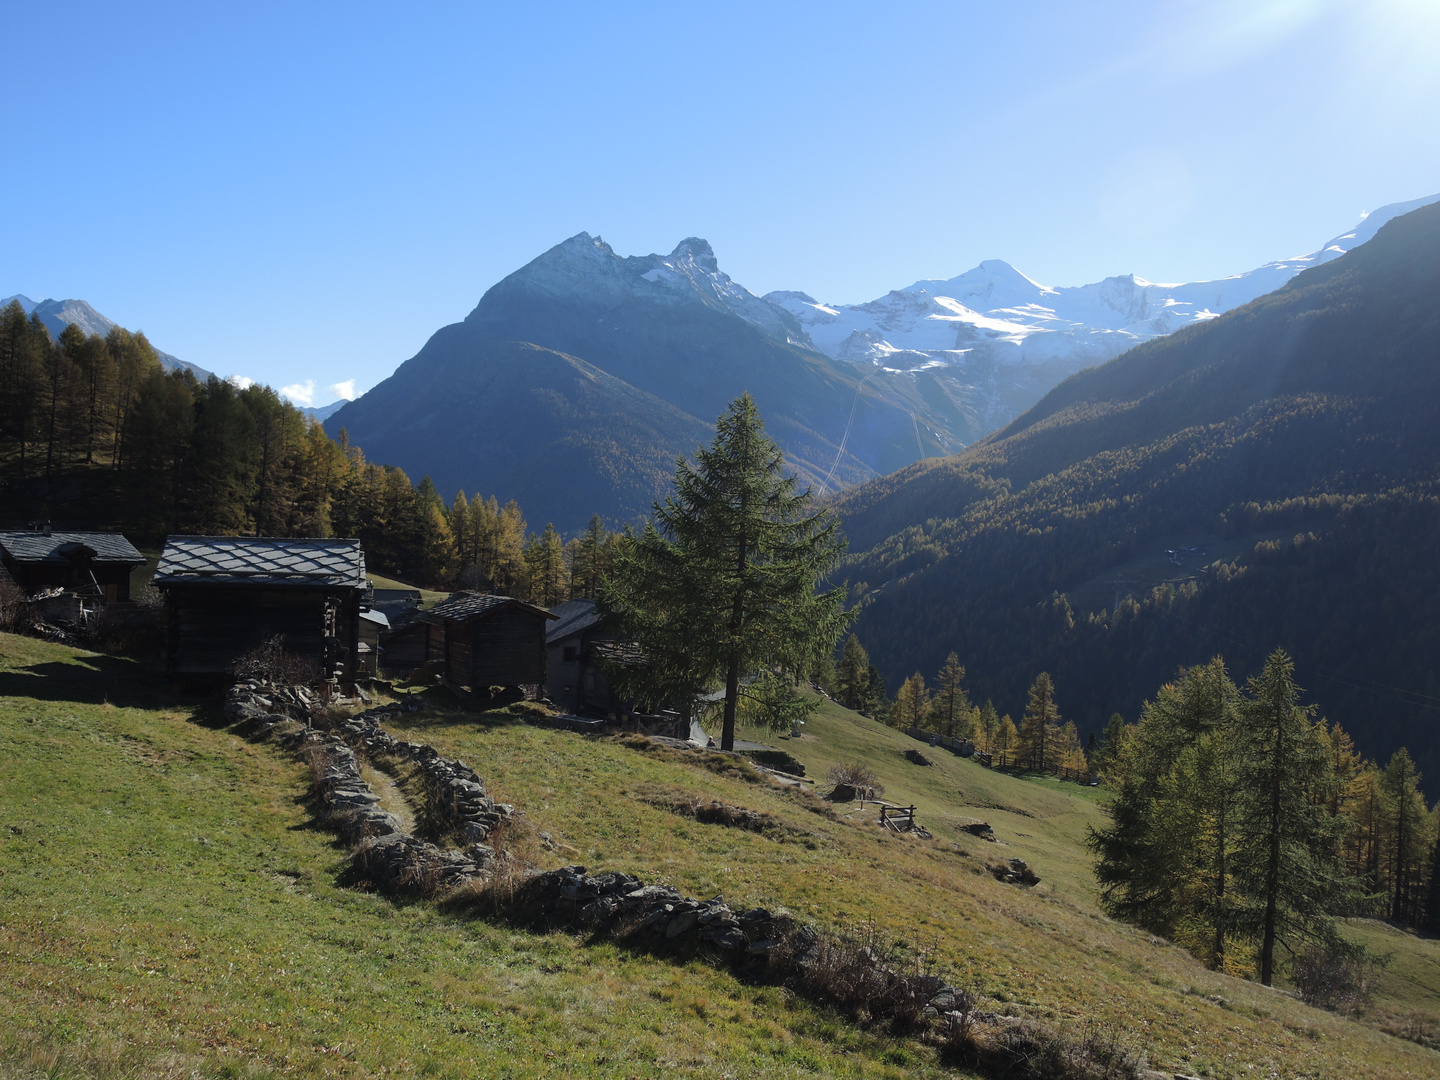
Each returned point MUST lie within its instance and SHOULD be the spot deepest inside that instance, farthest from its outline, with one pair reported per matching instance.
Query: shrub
(12, 605)
(1031, 1050)
(857, 776)
(1335, 978)
(271, 662)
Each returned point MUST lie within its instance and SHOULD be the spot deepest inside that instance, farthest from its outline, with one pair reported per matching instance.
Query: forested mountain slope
(1266, 478)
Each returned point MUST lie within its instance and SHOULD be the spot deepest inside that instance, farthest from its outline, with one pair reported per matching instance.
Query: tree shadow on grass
(93, 680)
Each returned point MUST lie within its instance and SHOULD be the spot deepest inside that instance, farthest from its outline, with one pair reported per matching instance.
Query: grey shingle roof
(574, 616)
(249, 560)
(468, 605)
(34, 547)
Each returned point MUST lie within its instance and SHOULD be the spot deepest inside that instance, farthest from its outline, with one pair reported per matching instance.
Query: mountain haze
(1269, 477)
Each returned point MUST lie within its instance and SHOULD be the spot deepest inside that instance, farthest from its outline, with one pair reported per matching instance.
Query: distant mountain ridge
(57, 314)
(661, 345)
(1002, 333)
(1267, 478)
(851, 391)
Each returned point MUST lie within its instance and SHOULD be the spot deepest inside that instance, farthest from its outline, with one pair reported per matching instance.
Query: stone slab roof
(251, 560)
(574, 616)
(56, 547)
(464, 606)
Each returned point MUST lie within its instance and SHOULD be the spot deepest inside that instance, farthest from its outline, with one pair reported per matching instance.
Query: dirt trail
(392, 799)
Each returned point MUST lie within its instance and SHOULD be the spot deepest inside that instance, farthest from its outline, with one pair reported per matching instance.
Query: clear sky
(304, 193)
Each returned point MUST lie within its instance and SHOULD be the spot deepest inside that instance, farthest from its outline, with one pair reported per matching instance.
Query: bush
(857, 776)
(1335, 978)
(12, 605)
(271, 662)
(1031, 1050)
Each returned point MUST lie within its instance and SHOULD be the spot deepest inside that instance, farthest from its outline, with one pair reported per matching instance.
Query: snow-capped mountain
(1009, 338)
(58, 314)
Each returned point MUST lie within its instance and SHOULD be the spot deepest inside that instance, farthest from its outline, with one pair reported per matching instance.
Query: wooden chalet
(93, 565)
(582, 653)
(226, 595)
(491, 640)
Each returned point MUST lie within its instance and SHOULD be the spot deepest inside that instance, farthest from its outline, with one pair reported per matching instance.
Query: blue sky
(304, 193)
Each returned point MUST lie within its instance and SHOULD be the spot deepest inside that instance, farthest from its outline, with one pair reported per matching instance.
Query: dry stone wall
(764, 945)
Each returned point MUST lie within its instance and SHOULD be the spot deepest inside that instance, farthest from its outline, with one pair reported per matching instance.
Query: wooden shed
(93, 564)
(492, 640)
(372, 624)
(226, 595)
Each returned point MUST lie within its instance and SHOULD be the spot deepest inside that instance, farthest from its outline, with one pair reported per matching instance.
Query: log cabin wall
(507, 648)
(457, 652)
(210, 627)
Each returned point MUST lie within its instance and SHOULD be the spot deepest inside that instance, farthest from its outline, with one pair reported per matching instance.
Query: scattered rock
(1014, 872)
(981, 829)
(916, 758)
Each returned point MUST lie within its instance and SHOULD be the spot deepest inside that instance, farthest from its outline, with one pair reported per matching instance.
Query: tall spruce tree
(723, 585)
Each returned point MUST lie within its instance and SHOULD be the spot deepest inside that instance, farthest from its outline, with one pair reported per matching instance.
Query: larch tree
(724, 584)
(1286, 873)
(951, 705)
(1040, 725)
(912, 701)
(852, 676)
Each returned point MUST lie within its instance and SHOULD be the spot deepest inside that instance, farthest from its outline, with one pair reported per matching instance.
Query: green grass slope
(168, 906)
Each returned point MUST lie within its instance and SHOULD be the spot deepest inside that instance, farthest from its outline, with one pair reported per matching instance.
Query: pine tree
(1400, 785)
(593, 551)
(1040, 726)
(1108, 747)
(545, 562)
(724, 583)
(1140, 860)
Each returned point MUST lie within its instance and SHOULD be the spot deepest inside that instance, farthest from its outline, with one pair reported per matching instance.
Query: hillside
(1268, 477)
(170, 906)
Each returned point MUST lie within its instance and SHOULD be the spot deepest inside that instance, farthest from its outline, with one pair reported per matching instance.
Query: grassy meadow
(169, 906)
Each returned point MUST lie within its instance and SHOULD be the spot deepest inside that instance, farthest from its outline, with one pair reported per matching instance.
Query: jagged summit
(586, 270)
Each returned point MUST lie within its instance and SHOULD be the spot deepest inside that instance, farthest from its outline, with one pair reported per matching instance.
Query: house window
(569, 654)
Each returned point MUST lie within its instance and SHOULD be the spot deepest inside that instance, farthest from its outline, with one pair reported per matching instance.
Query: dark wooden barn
(226, 595)
(491, 640)
(582, 653)
(93, 564)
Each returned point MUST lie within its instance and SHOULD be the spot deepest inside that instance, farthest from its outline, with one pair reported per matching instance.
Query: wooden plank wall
(507, 648)
(209, 628)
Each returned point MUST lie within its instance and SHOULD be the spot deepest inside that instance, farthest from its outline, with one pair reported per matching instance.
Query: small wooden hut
(491, 640)
(226, 595)
(94, 565)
